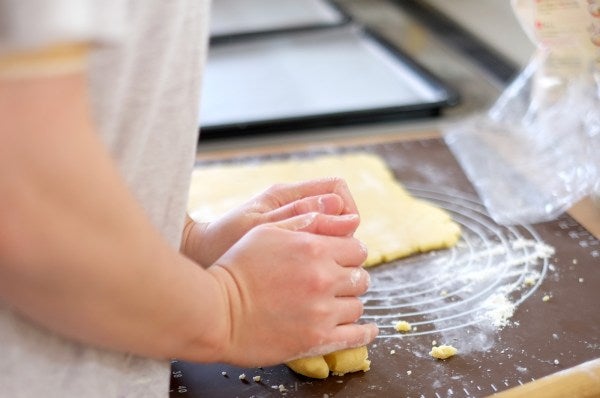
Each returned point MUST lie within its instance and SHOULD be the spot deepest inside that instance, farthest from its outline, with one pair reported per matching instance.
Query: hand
(292, 288)
(206, 242)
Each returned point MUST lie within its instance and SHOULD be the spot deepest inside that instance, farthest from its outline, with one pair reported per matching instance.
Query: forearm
(152, 302)
(77, 253)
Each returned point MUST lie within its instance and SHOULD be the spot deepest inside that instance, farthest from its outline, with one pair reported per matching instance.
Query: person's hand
(291, 289)
(206, 242)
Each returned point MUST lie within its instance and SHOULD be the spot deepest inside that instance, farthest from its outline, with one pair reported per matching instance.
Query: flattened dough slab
(393, 223)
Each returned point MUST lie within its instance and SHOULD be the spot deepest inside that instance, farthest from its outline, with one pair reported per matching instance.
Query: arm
(78, 255)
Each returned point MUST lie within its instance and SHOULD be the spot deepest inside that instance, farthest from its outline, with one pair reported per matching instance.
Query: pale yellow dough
(393, 223)
(403, 326)
(314, 367)
(443, 352)
(338, 363)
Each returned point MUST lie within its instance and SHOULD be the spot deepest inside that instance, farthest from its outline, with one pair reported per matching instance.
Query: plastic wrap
(537, 150)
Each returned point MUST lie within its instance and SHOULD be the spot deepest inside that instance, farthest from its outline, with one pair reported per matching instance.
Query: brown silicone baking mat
(463, 296)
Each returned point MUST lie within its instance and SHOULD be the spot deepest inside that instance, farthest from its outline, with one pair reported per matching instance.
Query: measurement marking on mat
(483, 276)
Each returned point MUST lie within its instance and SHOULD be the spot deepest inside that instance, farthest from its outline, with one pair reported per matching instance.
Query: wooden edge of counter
(585, 212)
(581, 381)
(340, 142)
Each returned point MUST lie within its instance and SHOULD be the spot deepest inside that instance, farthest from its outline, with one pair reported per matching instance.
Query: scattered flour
(483, 280)
(499, 309)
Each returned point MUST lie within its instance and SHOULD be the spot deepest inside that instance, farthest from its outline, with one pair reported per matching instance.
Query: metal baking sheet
(442, 293)
(241, 17)
(313, 78)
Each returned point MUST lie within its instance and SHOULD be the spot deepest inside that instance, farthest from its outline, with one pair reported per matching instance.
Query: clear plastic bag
(536, 152)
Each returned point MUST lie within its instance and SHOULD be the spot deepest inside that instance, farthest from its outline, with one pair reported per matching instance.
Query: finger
(345, 250)
(348, 251)
(348, 310)
(353, 281)
(321, 224)
(326, 204)
(355, 335)
(298, 223)
(283, 194)
(348, 336)
(334, 225)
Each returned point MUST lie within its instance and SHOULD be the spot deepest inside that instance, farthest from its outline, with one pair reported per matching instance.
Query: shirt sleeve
(31, 25)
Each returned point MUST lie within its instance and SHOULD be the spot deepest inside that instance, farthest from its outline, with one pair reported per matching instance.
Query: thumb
(322, 224)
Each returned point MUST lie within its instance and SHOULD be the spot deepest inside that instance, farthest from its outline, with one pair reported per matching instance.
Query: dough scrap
(338, 363)
(403, 326)
(393, 223)
(443, 351)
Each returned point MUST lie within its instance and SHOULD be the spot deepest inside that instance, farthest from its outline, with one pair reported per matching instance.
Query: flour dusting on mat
(500, 309)
(484, 278)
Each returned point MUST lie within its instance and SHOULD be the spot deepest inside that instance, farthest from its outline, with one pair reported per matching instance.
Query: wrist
(185, 234)
(192, 241)
(205, 337)
(227, 301)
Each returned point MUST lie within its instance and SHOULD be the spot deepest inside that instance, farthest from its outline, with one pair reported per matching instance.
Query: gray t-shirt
(145, 84)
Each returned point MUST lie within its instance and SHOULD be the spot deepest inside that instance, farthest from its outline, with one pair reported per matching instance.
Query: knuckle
(303, 243)
(261, 230)
(360, 250)
(358, 309)
(270, 196)
(274, 189)
(320, 282)
(366, 280)
(337, 180)
(363, 250)
(316, 336)
(341, 183)
(312, 247)
(321, 312)
(301, 207)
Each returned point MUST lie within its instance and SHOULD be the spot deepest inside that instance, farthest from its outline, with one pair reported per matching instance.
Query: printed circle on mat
(480, 281)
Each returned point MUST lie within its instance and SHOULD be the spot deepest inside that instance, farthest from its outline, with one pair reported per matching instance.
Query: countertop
(494, 24)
